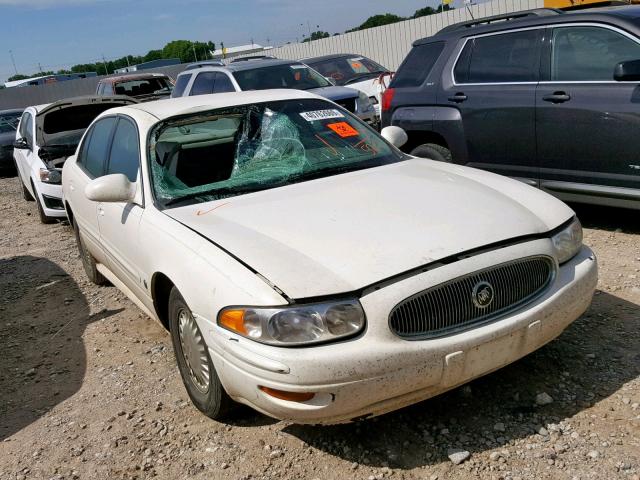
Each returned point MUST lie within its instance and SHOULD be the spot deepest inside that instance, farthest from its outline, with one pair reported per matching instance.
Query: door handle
(458, 98)
(100, 211)
(71, 187)
(557, 97)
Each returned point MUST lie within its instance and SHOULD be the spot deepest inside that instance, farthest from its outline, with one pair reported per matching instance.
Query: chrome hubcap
(194, 351)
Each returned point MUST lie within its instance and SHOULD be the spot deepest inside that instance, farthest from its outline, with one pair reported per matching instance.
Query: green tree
(317, 36)
(17, 76)
(152, 55)
(377, 21)
(423, 12)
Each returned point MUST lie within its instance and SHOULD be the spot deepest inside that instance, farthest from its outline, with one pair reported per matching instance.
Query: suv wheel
(434, 152)
(88, 262)
(196, 368)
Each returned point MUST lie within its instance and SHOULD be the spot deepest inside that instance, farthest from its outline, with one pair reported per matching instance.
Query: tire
(434, 152)
(26, 194)
(43, 216)
(209, 395)
(88, 262)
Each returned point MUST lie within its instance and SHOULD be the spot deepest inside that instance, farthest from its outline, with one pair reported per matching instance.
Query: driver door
(119, 222)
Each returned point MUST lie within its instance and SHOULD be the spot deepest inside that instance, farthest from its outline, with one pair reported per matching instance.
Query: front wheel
(88, 262)
(196, 368)
(44, 218)
(434, 152)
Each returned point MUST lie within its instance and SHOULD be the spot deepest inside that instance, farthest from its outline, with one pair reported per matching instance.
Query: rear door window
(203, 84)
(503, 58)
(95, 154)
(589, 53)
(181, 85)
(223, 84)
(125, 151)
(418, 64)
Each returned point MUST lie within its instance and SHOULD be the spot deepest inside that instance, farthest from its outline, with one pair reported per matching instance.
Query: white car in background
(305, 266)
(354, 71)
(46, 136)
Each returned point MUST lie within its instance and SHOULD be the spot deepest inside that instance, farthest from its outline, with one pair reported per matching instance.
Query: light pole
(13, 60)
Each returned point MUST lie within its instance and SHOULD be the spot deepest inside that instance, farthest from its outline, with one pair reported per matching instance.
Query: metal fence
(388, 45)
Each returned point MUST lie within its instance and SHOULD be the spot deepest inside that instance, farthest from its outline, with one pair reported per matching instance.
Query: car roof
(248, 65)
(132, 76)
(534, 18)
(162, 109)
(11, 110)
(321, 58)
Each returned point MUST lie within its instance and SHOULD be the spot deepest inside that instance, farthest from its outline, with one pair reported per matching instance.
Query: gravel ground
(89, 388)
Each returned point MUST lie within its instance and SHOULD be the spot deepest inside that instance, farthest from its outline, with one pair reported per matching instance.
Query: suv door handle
(458, 98)
(557, 97)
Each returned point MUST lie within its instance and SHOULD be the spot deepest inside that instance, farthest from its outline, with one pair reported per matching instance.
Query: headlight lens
(568, 242)
(295, 325)
(363, 103)
(50, 176)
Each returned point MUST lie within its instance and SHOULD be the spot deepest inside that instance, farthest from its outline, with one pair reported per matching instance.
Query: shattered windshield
(9, 122)
(295, 75)
(222, 153)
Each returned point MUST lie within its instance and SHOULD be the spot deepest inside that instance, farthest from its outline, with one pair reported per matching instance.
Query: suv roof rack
(537, 12)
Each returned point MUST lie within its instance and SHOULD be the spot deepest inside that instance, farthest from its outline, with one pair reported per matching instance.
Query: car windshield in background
(345, 70)
(149, 86)
(9, 122)
(223, 153)
(295, 75)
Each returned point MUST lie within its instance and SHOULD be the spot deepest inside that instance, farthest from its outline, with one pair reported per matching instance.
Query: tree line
(188, 51)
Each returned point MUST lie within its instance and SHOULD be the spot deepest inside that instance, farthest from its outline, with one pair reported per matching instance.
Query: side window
(107, 89)
(589, 53)
(125, 151)
(181, 84)
(418, 64)
(503, 58)
(223, 84)
(97, 149)
(100, 89)
(203, 83)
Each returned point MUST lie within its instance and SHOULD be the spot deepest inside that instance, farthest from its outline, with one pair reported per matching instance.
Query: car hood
(335, 93)
(342, 233)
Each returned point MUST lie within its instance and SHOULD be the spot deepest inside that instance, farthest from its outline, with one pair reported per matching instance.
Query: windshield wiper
(214, 192)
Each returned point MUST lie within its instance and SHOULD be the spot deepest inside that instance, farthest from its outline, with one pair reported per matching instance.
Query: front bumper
(378, 372)
(50, 196)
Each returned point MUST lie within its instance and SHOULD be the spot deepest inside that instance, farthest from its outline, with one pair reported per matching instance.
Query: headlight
(295, 325)
(363, 103)
(50, 176)
(568, 242)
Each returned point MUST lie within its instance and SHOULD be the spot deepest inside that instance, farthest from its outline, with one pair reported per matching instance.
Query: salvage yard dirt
(89, 388)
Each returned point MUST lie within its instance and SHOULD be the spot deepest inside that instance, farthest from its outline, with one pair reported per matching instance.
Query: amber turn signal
(290, 396)
(233, 320)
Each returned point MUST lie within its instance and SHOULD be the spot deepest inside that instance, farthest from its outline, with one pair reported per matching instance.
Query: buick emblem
(483, 294)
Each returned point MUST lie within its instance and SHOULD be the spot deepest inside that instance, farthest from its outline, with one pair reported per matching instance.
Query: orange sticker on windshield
(343, 129)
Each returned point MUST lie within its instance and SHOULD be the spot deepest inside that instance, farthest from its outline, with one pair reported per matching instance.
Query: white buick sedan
(305, 266)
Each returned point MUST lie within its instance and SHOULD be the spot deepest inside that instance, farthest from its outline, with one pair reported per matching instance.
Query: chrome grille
(451, 306)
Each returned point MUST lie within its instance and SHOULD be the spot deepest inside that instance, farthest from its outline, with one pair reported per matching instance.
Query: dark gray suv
(549, 97)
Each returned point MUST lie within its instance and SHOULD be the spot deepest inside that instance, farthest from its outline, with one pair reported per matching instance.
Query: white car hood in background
(342, 233)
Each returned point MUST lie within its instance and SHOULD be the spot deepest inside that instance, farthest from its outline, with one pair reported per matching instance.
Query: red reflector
(387, 98)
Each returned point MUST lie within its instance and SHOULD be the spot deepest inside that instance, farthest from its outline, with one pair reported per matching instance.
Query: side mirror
(21, 144)
(114, 188)
(396, 136)
(628, 71)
